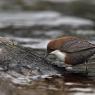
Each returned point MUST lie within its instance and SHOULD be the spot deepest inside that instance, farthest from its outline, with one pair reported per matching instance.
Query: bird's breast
(61, 56)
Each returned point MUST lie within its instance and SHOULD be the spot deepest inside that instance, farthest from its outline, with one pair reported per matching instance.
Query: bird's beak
(46, 55)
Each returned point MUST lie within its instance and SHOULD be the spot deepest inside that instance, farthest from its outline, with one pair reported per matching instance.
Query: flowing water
(35, 29)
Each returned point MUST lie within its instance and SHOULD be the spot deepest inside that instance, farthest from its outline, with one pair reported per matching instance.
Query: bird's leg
(86, 67)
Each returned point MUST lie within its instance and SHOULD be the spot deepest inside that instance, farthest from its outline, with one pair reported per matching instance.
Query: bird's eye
(51, 49)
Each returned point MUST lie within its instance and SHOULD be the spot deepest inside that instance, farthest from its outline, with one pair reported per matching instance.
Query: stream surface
(35, 30)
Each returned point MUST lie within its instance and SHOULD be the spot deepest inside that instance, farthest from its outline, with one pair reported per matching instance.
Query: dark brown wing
(75, 45)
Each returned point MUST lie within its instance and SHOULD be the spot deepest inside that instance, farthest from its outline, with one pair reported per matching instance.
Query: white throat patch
(60, 55)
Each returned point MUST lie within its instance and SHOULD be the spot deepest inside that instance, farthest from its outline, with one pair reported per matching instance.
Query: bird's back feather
(75, 45)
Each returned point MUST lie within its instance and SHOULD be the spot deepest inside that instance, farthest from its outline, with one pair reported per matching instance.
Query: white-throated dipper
(71, 50)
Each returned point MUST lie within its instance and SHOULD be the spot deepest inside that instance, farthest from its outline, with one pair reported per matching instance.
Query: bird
(71, 50)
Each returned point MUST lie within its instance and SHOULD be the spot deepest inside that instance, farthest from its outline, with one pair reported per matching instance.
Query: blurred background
(33, 23)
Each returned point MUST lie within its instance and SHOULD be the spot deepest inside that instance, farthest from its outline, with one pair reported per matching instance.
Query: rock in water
(24, 60)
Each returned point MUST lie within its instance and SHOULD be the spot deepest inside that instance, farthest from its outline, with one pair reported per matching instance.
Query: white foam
(70, 83)
(49, 18)
(81, 89)
(37, 43)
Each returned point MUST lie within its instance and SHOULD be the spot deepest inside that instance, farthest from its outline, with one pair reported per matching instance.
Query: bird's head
(52, 47)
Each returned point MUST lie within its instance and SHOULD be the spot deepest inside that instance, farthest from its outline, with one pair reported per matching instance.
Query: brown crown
(57, 43)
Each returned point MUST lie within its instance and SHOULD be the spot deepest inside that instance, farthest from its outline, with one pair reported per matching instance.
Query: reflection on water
(69, 84)
(80, 85)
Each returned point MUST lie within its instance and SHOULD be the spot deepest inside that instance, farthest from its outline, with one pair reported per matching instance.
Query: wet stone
(25, 61)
